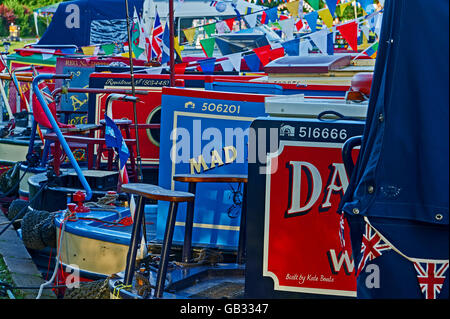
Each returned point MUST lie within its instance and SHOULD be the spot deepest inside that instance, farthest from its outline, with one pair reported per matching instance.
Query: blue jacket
(402, 170)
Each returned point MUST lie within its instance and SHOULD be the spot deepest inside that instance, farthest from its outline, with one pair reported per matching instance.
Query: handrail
(347, 148)
(56, 129)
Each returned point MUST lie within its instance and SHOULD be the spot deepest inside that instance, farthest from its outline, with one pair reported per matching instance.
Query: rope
(58, 256)
(118, 288)
(413, 260)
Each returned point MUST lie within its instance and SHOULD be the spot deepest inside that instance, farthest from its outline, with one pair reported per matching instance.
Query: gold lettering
(198, 164)
(227, 150)
(215, 158)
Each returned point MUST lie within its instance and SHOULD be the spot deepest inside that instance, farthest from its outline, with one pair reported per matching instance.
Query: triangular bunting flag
(235, 59)
(299, 24)
(189, 33)
(251, 19)
(367, 6)
(291, 47)
(365, 29)
(314, 4)
(349, 32)
(311, 18)
(331, 4)
(293, 8)
(221, 27)
(372, 247)
(272, 14)
(208, 46)
(320, 39)
(207, 65)
(252, 62)
(287, 26)
(227, 66)
(326, 17)
(342, 8)
(108, 48)
(263, 54)
(431, 277)
(89, 50)
(210, 29)
(230, 23)
(378, 25)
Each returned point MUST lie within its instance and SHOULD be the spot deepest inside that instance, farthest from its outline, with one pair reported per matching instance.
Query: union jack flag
(156, 38)
(371, 247)
(431, 277)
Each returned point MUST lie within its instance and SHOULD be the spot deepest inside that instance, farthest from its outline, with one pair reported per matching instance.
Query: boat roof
(308, 64)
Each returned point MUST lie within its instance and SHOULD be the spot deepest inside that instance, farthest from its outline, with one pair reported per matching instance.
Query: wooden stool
(125, 126)
(211, 178)
(144, 191)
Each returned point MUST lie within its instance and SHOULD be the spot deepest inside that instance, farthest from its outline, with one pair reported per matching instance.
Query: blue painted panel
(202, 129)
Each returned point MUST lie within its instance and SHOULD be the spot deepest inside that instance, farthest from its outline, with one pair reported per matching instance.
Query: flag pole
(172, 46)
(133, 92)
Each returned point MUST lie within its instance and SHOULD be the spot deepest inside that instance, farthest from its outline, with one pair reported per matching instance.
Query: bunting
(320, 39)
(208, 46)
(326, 17)
(311, 18)
(349, 32)
(210, 28)
(207, 65)
(372, 246)
(252, 62)
(431, 273)
(189, 33)
(293, 8)
(331, 4)
(430, 276)
(236, 60)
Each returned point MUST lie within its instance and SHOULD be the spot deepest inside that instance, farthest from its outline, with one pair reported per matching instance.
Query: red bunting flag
(230, 23)
(266, 54)
(299, 24)
(263, 54)
(372, 247)
(349, 32)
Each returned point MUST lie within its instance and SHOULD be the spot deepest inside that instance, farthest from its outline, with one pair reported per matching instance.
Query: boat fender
(38, 230)
(16, 207)
(362, 82)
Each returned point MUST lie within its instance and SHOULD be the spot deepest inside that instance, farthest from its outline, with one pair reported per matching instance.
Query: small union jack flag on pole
(371, 247)
(156, 38)
(431, 277)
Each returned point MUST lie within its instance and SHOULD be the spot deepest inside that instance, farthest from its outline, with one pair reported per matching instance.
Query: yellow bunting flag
(89, 50)
(293, 8)
(189, 33)
(343, 6)
(326, 17)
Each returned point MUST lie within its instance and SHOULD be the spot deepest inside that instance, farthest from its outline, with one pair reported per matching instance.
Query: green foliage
(20, 12)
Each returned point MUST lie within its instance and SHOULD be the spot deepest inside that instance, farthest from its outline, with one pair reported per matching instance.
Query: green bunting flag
(210, 29)
(108, 48)
(314, 4)
(208, 46)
